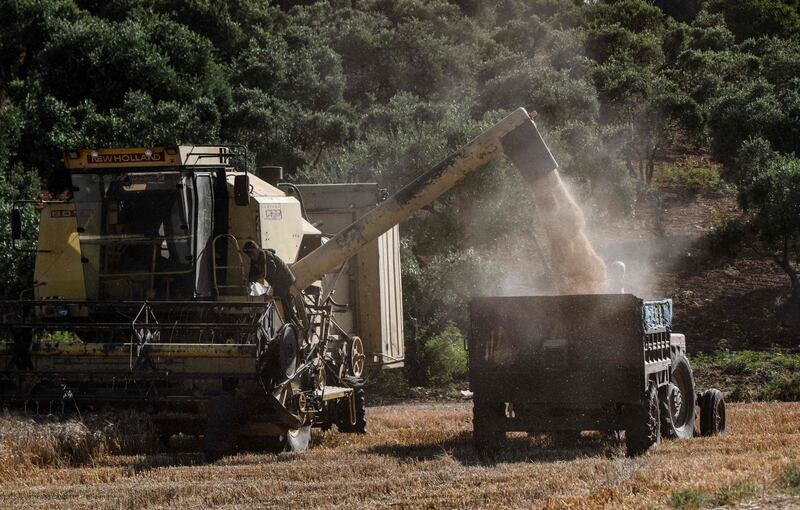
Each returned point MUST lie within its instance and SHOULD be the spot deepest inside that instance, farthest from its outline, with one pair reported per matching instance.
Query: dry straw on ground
(38, 441)
(420, 455)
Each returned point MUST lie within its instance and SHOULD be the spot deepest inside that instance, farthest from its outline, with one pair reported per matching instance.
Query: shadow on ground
(518, 448)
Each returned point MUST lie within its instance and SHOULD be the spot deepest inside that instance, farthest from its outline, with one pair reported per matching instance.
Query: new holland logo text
(126, 157)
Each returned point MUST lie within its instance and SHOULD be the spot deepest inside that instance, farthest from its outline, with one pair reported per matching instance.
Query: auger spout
(516, 135)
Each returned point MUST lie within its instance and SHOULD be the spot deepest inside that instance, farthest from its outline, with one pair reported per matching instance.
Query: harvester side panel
(370, 282)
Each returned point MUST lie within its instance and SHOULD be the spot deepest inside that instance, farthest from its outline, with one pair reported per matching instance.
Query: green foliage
(769, 191)
(753, 18)
(791, 476)
(16, 267)
(694, 178)
(692, 498)
(443, 357)
(726, 238)
(752, 375)
(61, 337)
(387, 383)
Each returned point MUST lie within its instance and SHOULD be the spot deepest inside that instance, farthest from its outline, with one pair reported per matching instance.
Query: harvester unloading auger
(577, 268)
(144, 261)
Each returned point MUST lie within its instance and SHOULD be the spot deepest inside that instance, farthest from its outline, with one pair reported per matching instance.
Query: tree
(755, 18)
(769, 193)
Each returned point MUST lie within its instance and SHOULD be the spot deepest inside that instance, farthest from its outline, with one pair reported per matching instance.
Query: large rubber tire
(343, 413)
(486, 430)
(712, 413)
(645, 429)
(220, 438)
(678, 401)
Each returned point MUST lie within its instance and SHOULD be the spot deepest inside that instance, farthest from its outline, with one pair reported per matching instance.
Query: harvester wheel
(486, 425)
(356, 357)
(343, 413)
(678, 402)
(712, 413)
(645, 429)
(220, 436)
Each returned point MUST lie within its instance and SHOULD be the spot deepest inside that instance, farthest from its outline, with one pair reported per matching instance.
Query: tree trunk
(651, 165)
(629, 165)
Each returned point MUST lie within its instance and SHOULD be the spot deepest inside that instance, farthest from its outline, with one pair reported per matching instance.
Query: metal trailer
(564, 364)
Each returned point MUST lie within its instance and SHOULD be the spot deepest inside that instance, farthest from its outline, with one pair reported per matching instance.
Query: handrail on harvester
(516, 135)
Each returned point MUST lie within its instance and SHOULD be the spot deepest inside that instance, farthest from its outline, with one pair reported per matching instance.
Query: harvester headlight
(148, 153)
(95, 153)
(73, 154)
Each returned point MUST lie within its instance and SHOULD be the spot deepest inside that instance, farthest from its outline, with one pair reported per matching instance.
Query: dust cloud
(576, 268)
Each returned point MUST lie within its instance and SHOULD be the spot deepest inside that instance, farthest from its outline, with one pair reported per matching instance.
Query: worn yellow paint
(59, 271)
(139, 157)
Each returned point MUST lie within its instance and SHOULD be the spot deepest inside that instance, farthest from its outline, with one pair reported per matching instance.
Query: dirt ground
(420, 455)
(719, 302)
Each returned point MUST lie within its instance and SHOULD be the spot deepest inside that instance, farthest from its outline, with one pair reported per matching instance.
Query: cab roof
(144, 157)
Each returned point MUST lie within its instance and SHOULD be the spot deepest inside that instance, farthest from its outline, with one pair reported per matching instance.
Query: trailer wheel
(645, 428)
(343, 413)
(712, 413)
(486, 430)
(220, 436)
(678, 402)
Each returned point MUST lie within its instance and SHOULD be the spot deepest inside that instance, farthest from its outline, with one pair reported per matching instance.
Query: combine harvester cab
(564, 364)
(143, 296)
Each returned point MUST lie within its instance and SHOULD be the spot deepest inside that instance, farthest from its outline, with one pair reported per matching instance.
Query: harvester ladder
(242, 286)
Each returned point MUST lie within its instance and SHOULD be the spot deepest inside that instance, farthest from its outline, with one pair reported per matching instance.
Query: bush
(444, 359)
(727, 237)
(791, 476)
(752, 375)
(387, 383)
(692, 177)
(725, 495)
(690, 499)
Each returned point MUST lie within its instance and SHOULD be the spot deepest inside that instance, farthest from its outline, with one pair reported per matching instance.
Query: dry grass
(419, 455)
(46, 441)
(25, 443)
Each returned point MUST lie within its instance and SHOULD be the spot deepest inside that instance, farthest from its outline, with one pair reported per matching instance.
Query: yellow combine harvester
(212, 297)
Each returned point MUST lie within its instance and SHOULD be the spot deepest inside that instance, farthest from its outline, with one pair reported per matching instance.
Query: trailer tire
(220, 436)
(678, 401)
(486, 430)
(712, 413)
(645, 428)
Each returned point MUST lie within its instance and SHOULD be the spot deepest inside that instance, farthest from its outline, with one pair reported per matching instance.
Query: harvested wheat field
(420, 455)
